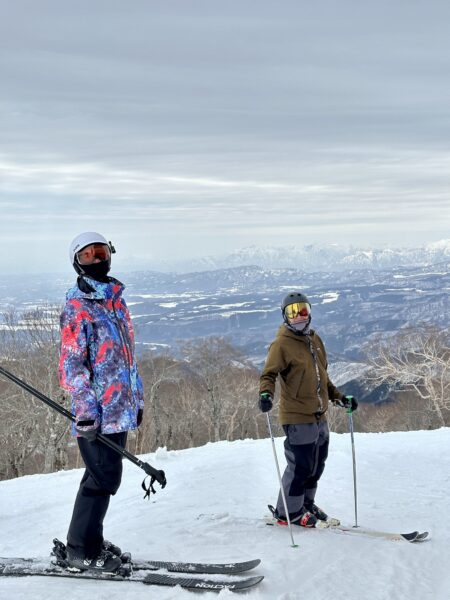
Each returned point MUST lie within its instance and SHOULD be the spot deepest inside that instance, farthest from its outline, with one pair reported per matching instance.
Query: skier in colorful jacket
(298, 357)
(97, 361)
(98, 369)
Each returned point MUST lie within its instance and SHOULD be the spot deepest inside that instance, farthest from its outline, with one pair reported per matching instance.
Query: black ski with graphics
(232, 568)
(35, 567)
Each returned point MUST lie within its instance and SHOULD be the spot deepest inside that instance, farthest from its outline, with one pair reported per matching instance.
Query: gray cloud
(180, 127)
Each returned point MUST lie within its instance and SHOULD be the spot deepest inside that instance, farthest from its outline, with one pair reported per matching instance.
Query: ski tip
(410, 536)
(415, 536)
(242, 567)
(249, 582)
(255, 562)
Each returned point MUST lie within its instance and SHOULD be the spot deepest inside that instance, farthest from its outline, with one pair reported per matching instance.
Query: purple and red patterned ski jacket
(97, 362)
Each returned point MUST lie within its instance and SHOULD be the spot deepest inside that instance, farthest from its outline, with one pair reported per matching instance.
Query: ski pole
(269, 427)
(355, 493)
(154, 474)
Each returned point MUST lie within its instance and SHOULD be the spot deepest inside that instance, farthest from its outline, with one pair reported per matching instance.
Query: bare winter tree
(32, 432)
(158, 372)
(214, 361)
(418, 360)
(404, 413)
(241, 408)
(193, 423)
(42, 326)
(17, 439)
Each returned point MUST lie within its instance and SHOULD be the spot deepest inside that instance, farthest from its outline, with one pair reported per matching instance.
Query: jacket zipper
(314, 356)
(125, 345)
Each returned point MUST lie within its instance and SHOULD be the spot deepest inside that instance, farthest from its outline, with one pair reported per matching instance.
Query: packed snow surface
(213, 509)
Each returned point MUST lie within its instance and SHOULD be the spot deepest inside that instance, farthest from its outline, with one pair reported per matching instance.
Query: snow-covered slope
(213, 506)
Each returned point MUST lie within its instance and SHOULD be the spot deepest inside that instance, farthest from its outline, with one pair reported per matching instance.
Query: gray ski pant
(306, 450)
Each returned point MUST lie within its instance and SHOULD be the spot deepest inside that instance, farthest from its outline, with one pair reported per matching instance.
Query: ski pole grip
(349, 409)
(158, 474)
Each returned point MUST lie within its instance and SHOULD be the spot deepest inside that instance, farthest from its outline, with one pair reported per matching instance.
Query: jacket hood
(284, 331)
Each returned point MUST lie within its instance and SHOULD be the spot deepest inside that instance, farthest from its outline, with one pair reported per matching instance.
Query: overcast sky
(182, 128)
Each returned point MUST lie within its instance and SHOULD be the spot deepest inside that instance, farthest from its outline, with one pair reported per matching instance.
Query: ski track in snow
(213, 510)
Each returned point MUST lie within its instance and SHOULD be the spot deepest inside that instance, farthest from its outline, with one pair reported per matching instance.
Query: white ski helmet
(83, 240)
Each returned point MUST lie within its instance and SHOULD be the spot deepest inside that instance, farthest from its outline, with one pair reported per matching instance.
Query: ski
(186, 567)
(232, 568)
(22, 567)
(412, 537)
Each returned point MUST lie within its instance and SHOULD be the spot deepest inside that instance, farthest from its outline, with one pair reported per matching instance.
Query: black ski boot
(110, 547)
(303, 519)
(105, 562)
(316, 511)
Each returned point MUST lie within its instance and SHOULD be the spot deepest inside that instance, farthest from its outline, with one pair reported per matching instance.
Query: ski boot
(60, 552)
(316, 511)
(304, 519)
(104, 562)
(110, 547)
(125, 557)
(322, 517)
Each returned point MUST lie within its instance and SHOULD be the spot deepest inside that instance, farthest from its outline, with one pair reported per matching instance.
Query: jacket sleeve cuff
(86, 424)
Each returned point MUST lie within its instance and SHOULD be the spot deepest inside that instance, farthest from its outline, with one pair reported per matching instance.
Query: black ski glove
(349, 402)
(87, 430)
(139, 416)
(265, 402)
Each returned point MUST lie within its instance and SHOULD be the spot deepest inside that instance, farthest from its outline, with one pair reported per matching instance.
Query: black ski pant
(306, 450)
(100, 481)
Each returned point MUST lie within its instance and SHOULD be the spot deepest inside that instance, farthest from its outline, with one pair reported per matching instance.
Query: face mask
(299, 326)
(98, 271)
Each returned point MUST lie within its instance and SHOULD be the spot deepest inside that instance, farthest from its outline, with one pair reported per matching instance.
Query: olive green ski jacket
(301, 363)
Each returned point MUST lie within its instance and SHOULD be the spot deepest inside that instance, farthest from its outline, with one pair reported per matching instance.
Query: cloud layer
(198, 127)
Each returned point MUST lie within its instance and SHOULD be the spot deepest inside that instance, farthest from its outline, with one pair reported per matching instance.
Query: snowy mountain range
(310, 258)
(213, 509)
(349, 308)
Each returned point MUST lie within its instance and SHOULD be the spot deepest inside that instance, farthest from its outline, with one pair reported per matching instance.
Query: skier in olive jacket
(298, 357)
(98, 368)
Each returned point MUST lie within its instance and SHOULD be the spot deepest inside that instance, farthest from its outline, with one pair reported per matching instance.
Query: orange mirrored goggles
(298, 310)
(93, 253)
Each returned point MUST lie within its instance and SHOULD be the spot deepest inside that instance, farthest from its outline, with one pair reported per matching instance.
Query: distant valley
(349, 308)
